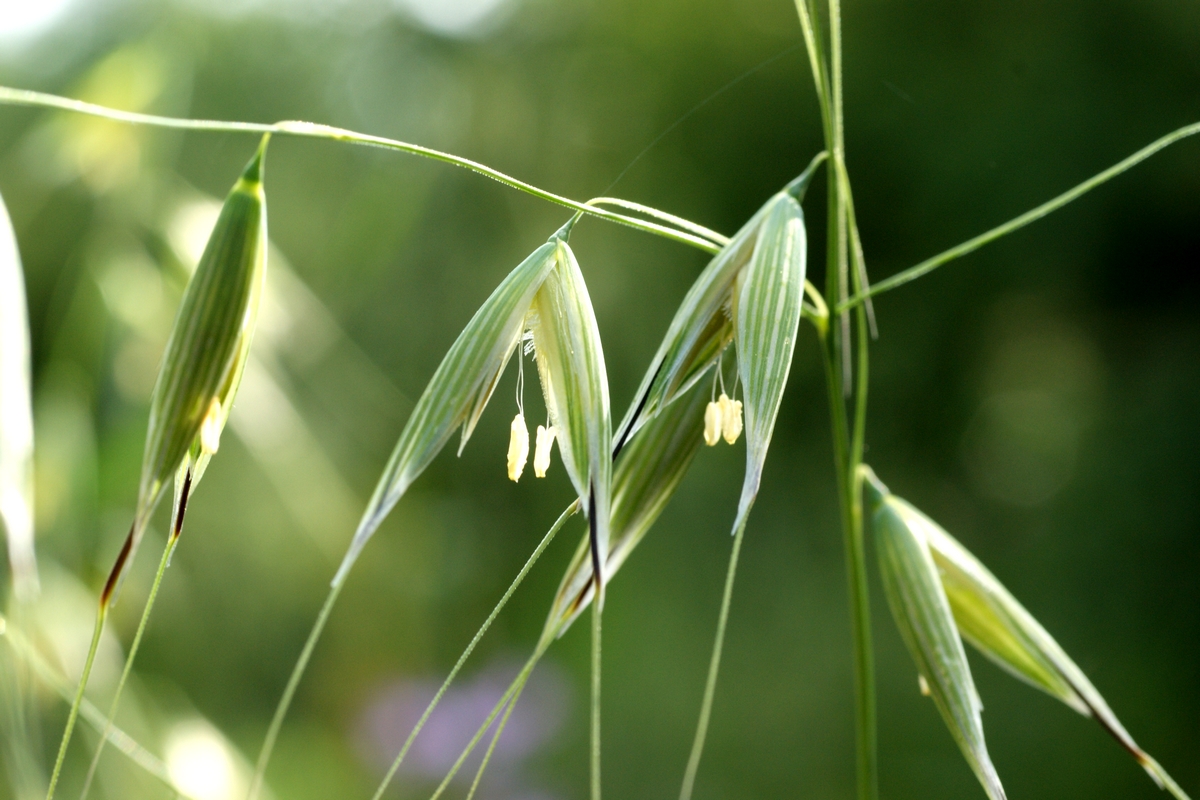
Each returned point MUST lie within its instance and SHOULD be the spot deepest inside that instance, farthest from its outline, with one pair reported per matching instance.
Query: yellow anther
(210, 428)
(541, 449)
(923, 685)
(518, 448)
(712, 424)
(731, 418)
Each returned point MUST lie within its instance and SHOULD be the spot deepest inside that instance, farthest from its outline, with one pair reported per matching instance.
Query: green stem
(285, 702)
(856, 565)
(513, 689)
(487, 757)
(841, 212)
(101, 615)
(595, 731)
(714, 666)
(23, 97)
(707, 233)
(462, 659)
(133, 650)
(1034, 214)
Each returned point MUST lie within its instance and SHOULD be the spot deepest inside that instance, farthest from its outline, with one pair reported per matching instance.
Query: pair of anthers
(723, 415)
(518, 440)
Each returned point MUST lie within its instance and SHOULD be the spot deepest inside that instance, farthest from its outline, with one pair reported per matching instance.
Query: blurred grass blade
(16, 416)
(570, 363)
(767, 303)
(644, 480)
(923, 615)
(995, 623)
(458, 391)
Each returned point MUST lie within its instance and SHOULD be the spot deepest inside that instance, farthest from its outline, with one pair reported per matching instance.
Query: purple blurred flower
(392, 710)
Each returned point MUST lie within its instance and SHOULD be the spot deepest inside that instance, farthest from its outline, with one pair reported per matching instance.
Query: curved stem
(312, 130)
(1032, 215)
(714, 666)
(679, 222)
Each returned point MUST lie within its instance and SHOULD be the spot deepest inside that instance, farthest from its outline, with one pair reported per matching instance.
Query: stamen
(518, 447)
(541, 449)
(712, 423)
(731, 418)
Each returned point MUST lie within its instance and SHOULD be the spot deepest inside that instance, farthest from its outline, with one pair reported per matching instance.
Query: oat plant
(719, 375)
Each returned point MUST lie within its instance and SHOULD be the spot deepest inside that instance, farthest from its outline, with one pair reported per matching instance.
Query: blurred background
(1040, 398)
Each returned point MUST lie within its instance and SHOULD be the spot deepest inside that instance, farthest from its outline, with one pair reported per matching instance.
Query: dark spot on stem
(183, 501)
(111, 585)
(597, 573)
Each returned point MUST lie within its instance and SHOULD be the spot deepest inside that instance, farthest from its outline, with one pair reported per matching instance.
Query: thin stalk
(23, 97)
(1034, 214)
(133, 650)
(679, 222)
(101, 615)
(840, 223)
(856, 564)
(595, 731)
(816, 61)
(462, 659)
(285, 702)
(714, 667)
(487, 757)
(514, 688)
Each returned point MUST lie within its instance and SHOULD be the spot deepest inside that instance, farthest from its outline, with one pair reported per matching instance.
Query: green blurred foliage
(1038, 399)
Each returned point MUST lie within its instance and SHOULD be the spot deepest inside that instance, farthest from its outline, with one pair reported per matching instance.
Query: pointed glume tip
(256, 168)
